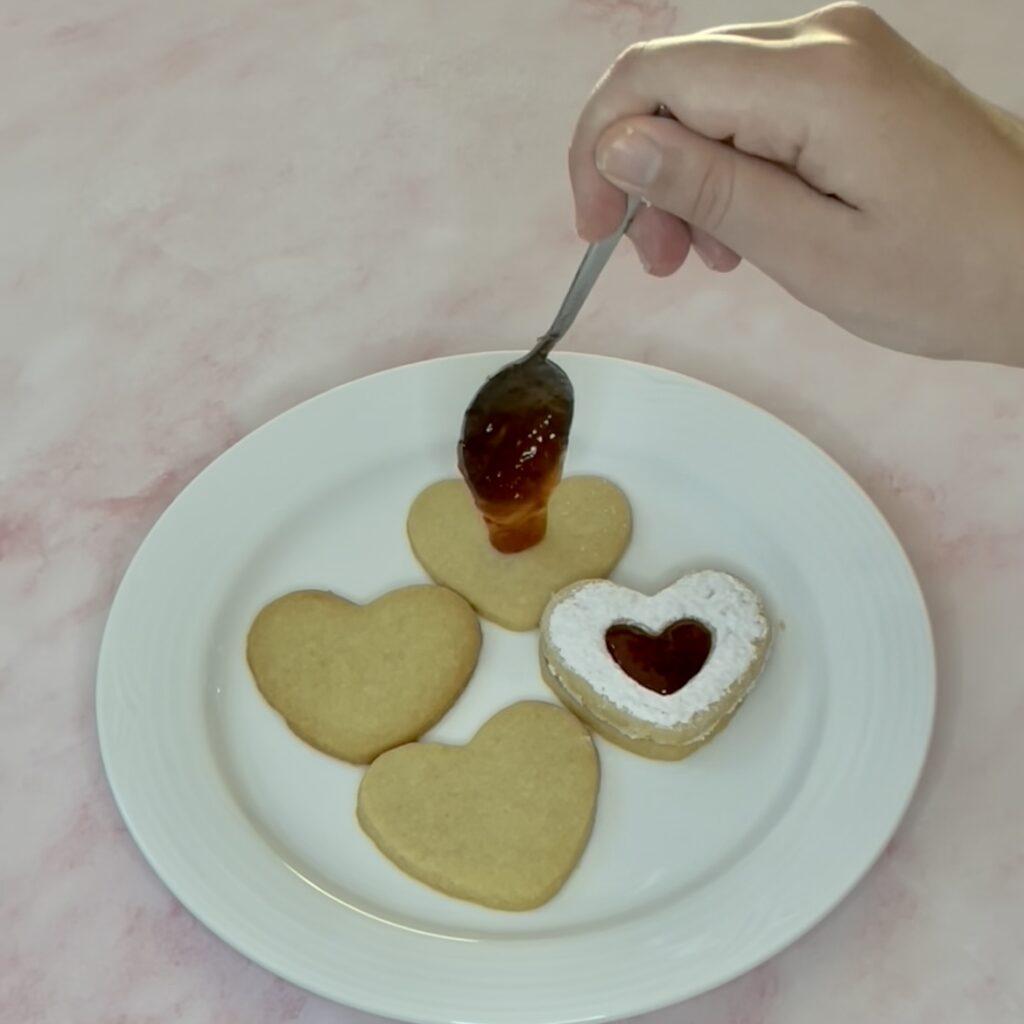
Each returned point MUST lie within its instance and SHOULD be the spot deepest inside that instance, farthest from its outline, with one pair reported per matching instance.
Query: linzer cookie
(657, 675)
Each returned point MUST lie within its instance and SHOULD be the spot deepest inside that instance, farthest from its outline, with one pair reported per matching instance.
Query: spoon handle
(590, 267)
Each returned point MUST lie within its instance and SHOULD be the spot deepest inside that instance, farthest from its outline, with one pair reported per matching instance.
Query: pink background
(211, 211)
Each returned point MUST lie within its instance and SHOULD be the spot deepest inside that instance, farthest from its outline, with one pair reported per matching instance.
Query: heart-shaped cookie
(657, 675)
(501, 821)
(589, 523)
(356, 680)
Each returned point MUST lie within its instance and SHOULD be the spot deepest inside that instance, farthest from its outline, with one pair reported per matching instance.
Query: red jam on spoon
(514, 436)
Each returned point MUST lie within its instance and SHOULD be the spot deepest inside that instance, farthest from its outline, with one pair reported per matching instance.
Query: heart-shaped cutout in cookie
(501, 821)
(612, 656)
(663, 662)
(355, 680)
(589, 524)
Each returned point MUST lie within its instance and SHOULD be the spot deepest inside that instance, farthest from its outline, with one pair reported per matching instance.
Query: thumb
(763, 211)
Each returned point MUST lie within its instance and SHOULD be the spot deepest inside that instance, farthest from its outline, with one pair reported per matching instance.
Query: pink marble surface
(212, 211)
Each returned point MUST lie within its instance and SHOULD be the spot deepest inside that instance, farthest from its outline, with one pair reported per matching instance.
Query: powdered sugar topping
(577, 624)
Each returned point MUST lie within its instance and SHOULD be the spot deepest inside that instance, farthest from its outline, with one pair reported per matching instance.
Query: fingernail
(632, 159)
(638, 249)
(706, 259)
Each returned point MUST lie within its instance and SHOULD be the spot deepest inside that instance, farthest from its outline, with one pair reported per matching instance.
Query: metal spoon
(516, 429)
(590, 268)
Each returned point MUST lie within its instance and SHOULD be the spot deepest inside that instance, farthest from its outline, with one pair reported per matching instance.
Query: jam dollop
(664, 662)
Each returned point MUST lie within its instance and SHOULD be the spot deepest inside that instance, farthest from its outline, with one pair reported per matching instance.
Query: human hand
(835, 157)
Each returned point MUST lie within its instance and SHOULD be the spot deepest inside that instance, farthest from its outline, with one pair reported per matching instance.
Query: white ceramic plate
(696, 872)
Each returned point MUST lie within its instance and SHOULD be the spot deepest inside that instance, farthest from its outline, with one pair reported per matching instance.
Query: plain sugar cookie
(355, 680)
(501, 821)
(589, 525)
(657, 675)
